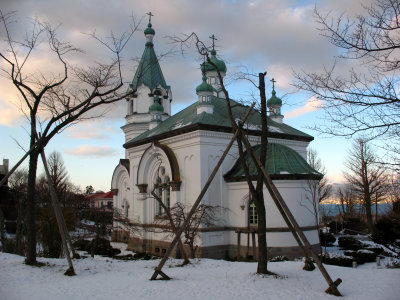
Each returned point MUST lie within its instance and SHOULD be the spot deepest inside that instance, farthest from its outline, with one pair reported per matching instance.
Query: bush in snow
(326, 238)
(349, 243)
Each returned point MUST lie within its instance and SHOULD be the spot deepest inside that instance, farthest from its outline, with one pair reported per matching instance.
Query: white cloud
(312, 104)
(10, 115)
(91, 151)
(90, 130)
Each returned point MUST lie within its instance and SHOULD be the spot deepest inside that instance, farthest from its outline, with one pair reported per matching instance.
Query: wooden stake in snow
(158, 271)
(60, 219)
(291, 221)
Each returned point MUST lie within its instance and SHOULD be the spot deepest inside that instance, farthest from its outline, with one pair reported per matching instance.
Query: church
(178, 153)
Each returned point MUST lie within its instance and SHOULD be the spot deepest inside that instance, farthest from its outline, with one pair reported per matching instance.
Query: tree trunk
(368, 213)
(2, 231)
(18, 233)
(31, 207)
(262, 257)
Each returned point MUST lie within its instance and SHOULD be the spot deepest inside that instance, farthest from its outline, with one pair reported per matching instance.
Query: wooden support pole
(59, 217)
(253, 238)
(238, 245)
(157, 271)
(4, 179)
(291, 221)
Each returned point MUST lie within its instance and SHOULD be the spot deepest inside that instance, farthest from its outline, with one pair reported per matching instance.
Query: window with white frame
(253, 217)
(163, 191)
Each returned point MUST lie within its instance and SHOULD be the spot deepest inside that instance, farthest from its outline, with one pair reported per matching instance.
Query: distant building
(174, 156)
(101, 200)
(4, 170)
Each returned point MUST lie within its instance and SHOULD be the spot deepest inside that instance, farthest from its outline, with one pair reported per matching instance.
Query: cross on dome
(273, 83)
(150, 15)
(213, 40)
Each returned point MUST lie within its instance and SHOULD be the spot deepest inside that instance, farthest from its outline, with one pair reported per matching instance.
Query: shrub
(337, 260)
(327, 239)
(387, 230)
(354, 224)
(102, 247)
(335, 226)
(349, 243)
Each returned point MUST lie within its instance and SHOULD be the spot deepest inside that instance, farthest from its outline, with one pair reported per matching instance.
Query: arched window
(125, 206)
(167, 192)
(163, 191)
(253, 217)
(159, 192)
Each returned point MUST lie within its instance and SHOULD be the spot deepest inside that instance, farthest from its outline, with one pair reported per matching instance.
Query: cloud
(91, 151)
(10, 115)
(90, 131)
(312, 104)
(336, 178)
(278, 35)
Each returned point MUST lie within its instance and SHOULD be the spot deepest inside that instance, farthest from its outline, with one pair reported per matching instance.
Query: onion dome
(156, 106)
(274, 100)
(206, 66)
(204, 86)
(149, 30)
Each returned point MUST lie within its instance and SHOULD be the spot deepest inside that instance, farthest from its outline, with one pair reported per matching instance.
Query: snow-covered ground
(105, 278)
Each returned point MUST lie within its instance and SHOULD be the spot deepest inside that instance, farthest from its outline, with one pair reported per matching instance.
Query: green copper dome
(206, 67)
(156, 106)
(204, 86)
(274, 100)
(280, 160)
(149, 30)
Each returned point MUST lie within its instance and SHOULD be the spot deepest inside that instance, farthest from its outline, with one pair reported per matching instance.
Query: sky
(276, 36)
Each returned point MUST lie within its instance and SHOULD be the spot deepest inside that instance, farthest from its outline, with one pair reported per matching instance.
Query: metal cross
(213, 40)
(150, 15)
(273, 83)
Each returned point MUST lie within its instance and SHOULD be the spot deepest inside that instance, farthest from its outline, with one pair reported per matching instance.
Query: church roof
(206, 66)
(149, 71)
(274, 100)
(188, 120)
(282, 162)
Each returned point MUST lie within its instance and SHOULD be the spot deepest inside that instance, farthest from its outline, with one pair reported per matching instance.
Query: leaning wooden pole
(291, 221)
(60, 219)
(158, 271)
(4, 179)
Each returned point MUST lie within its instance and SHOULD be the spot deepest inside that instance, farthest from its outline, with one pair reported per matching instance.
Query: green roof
(149, 71)
(204, 86)
(280, 160)
(149, 30)
(188, 120)
(274, 100)
(156, 107)
(206, 66)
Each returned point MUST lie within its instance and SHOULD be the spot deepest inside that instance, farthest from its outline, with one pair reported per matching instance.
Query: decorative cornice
(215, 128)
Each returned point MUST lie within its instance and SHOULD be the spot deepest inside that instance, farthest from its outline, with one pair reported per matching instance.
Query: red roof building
(100, 199)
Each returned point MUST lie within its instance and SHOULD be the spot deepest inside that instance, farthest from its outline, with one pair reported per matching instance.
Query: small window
(157, 250)
(253, 217)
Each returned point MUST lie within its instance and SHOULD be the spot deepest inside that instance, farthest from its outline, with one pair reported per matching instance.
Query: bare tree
(256, 192)
(54, 102)
(347, 201)
(18, 185)
(204, 216)
(316, 189)
(365, 177)
(324, 187)
(394, 191)
(365, 100)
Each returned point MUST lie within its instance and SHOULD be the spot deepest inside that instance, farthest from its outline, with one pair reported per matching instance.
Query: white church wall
(292, 192)
(142, 101)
